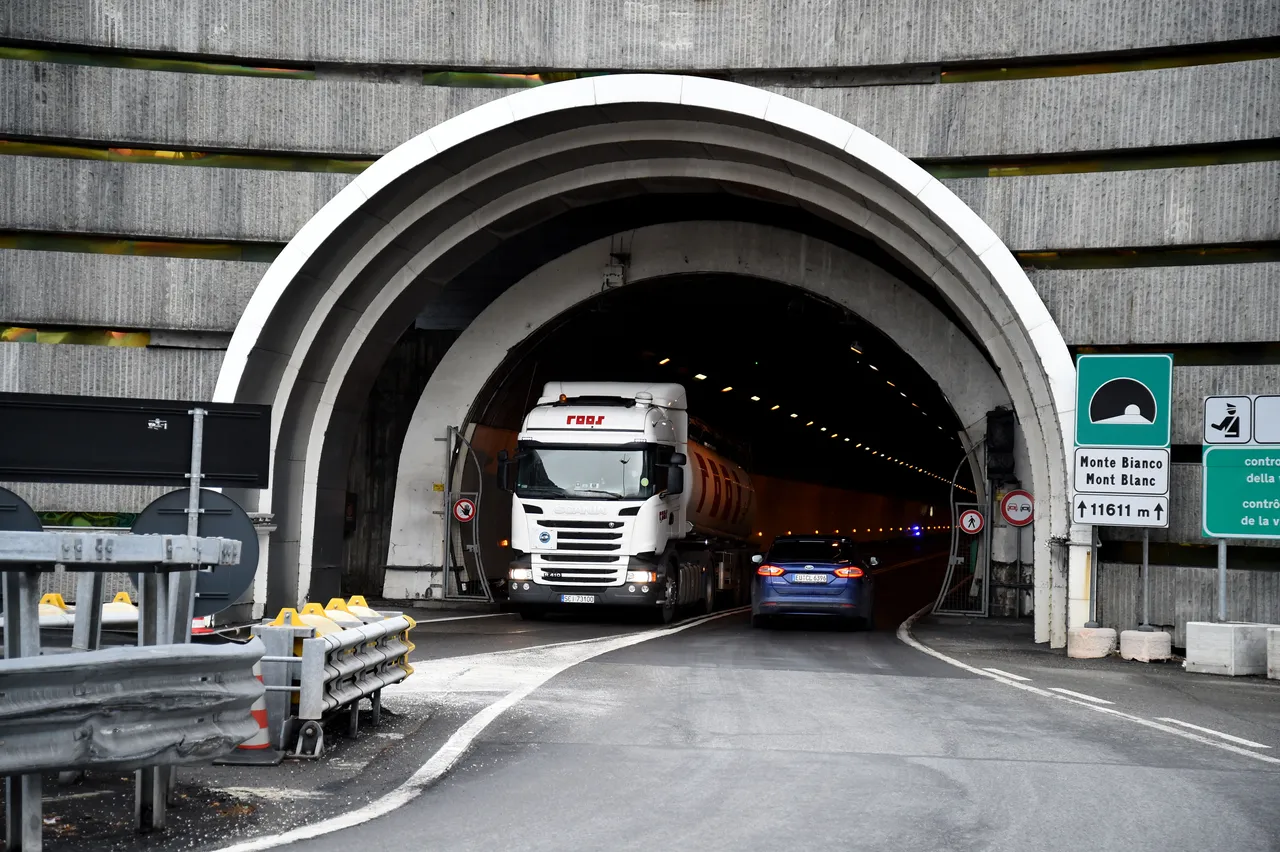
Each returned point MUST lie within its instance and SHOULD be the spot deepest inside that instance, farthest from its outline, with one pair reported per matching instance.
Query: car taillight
(769, 571)
(853, 572)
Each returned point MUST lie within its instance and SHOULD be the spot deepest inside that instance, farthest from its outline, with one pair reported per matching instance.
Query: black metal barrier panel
(50, 438)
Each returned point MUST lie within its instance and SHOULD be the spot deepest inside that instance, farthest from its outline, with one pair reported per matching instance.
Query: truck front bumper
(529, 593)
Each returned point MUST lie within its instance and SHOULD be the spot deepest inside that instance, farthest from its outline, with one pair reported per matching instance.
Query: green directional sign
(1241, 492)
(1123, 400)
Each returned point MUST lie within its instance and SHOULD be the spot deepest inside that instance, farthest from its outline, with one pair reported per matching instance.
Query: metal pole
(1146, 582)
(22, 793)
(446, 559)
(151, 782)
(182, 584)
(1222, 580)
(86, 635)
(1091, 577)
(1017, 606)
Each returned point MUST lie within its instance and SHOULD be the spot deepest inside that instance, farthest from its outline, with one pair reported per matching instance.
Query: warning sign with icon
(464, 510)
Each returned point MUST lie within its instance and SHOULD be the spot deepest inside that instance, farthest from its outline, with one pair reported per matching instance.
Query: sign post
(1240, 466)
(1121, 476)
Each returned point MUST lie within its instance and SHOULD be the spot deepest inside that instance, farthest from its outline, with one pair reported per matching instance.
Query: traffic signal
(1000, 426)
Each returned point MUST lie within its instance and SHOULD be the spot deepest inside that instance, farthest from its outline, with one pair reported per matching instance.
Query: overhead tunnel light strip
(891, 459)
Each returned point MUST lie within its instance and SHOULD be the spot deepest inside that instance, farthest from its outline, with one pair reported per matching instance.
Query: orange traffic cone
(257, 750)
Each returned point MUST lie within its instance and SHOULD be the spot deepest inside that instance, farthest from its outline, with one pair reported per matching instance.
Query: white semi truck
(613, 504)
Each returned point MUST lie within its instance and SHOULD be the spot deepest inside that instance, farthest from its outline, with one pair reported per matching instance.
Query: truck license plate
(808, 578)
(577, 599)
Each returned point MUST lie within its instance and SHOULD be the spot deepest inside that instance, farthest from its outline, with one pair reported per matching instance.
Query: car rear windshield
(817, 550)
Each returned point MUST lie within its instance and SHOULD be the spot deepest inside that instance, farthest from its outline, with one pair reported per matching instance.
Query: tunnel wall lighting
(699, 377)
(726, 390)
(775, 408)
(664, 361)
(757, 399)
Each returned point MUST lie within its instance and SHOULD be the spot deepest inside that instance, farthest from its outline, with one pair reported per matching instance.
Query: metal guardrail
(126, 708)
(328, 673)
(66, 711)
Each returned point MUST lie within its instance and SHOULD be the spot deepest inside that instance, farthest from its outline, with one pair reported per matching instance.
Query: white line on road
(1010, 675)
(904, 635)
(458, 744)
(466, 617)
(1240, 740)
(1080, 695)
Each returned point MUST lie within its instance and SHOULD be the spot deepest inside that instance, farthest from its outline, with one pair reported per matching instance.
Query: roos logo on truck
(584, 420)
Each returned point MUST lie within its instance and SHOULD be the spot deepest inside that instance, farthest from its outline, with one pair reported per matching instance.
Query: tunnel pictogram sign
(1123, 400)
(971, 521)
(464, 510)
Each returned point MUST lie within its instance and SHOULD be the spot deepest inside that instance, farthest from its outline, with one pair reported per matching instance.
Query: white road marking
(1011, 675)
(1233, 739)
(458, 744)
(466, 617)
(1080, 695)
(904, 635)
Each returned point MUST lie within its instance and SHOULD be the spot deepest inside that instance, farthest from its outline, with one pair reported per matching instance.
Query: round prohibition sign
(971, 521)
(1018, 508)
(464, 510)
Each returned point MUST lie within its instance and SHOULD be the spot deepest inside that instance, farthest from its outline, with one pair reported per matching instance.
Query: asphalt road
(724, 737)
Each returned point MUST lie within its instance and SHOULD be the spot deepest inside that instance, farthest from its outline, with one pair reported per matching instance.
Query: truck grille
(586, 553)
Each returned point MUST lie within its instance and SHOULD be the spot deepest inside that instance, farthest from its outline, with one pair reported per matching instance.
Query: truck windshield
(595, 473)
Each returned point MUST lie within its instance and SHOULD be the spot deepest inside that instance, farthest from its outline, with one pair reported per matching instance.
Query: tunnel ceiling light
(795, 415)
(810, 423)
(822, 428)
(874, 367)
(727, 389)
(775, 408)
(904, 396)
(837, 435)
(859, 444)
(700, 377)
(757, 399)
(913, 405)
(889, 383)
(846, 440)
(854, 348)
(664, 361)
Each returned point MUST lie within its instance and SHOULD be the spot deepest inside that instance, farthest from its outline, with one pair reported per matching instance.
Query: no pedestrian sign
(971, 521)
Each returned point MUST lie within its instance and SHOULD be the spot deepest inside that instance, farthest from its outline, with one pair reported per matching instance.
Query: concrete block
(1090, 643)
(1232, 649)
(1273, 653)
(1145, 646)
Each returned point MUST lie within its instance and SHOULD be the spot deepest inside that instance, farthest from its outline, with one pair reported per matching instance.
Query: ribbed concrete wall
(1182, 593)
(1156, 207)
(1228, 303)
(65, 288)
(625, 34)
(1177, 106)
(1109, 209)
(109, 371)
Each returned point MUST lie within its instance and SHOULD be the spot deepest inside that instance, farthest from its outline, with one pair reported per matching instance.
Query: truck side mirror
(504, 471)
(675, 480)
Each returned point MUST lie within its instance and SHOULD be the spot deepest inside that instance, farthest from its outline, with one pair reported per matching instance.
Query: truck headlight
(521, 574)
(641, 577)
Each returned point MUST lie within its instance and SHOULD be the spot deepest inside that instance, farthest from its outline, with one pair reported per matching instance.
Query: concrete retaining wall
(625, 34)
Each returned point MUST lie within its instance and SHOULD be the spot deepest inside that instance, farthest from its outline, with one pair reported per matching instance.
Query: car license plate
(808, 578)
(577, 599)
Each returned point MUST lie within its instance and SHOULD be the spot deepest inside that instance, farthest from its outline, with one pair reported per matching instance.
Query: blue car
(813, 575)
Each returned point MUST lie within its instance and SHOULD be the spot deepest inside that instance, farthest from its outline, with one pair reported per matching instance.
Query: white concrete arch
(335, 300)
(964, 376)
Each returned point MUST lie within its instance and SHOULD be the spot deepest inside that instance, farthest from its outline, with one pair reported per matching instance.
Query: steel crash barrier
(323, 661)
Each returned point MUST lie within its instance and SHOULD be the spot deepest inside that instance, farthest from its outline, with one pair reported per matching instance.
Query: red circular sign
(464, 510)
(971, 521)
(1018, 508)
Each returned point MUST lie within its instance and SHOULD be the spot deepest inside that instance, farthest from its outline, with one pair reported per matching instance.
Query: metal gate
(464, 574)
(964, 588)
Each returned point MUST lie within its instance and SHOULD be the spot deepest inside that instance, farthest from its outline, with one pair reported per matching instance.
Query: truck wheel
(709, 601)
(670, 605)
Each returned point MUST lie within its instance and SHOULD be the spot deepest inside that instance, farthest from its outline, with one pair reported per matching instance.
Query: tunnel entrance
(502, 220)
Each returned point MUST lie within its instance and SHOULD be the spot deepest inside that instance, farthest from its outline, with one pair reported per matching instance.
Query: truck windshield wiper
(595, 491)
(531, 490)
